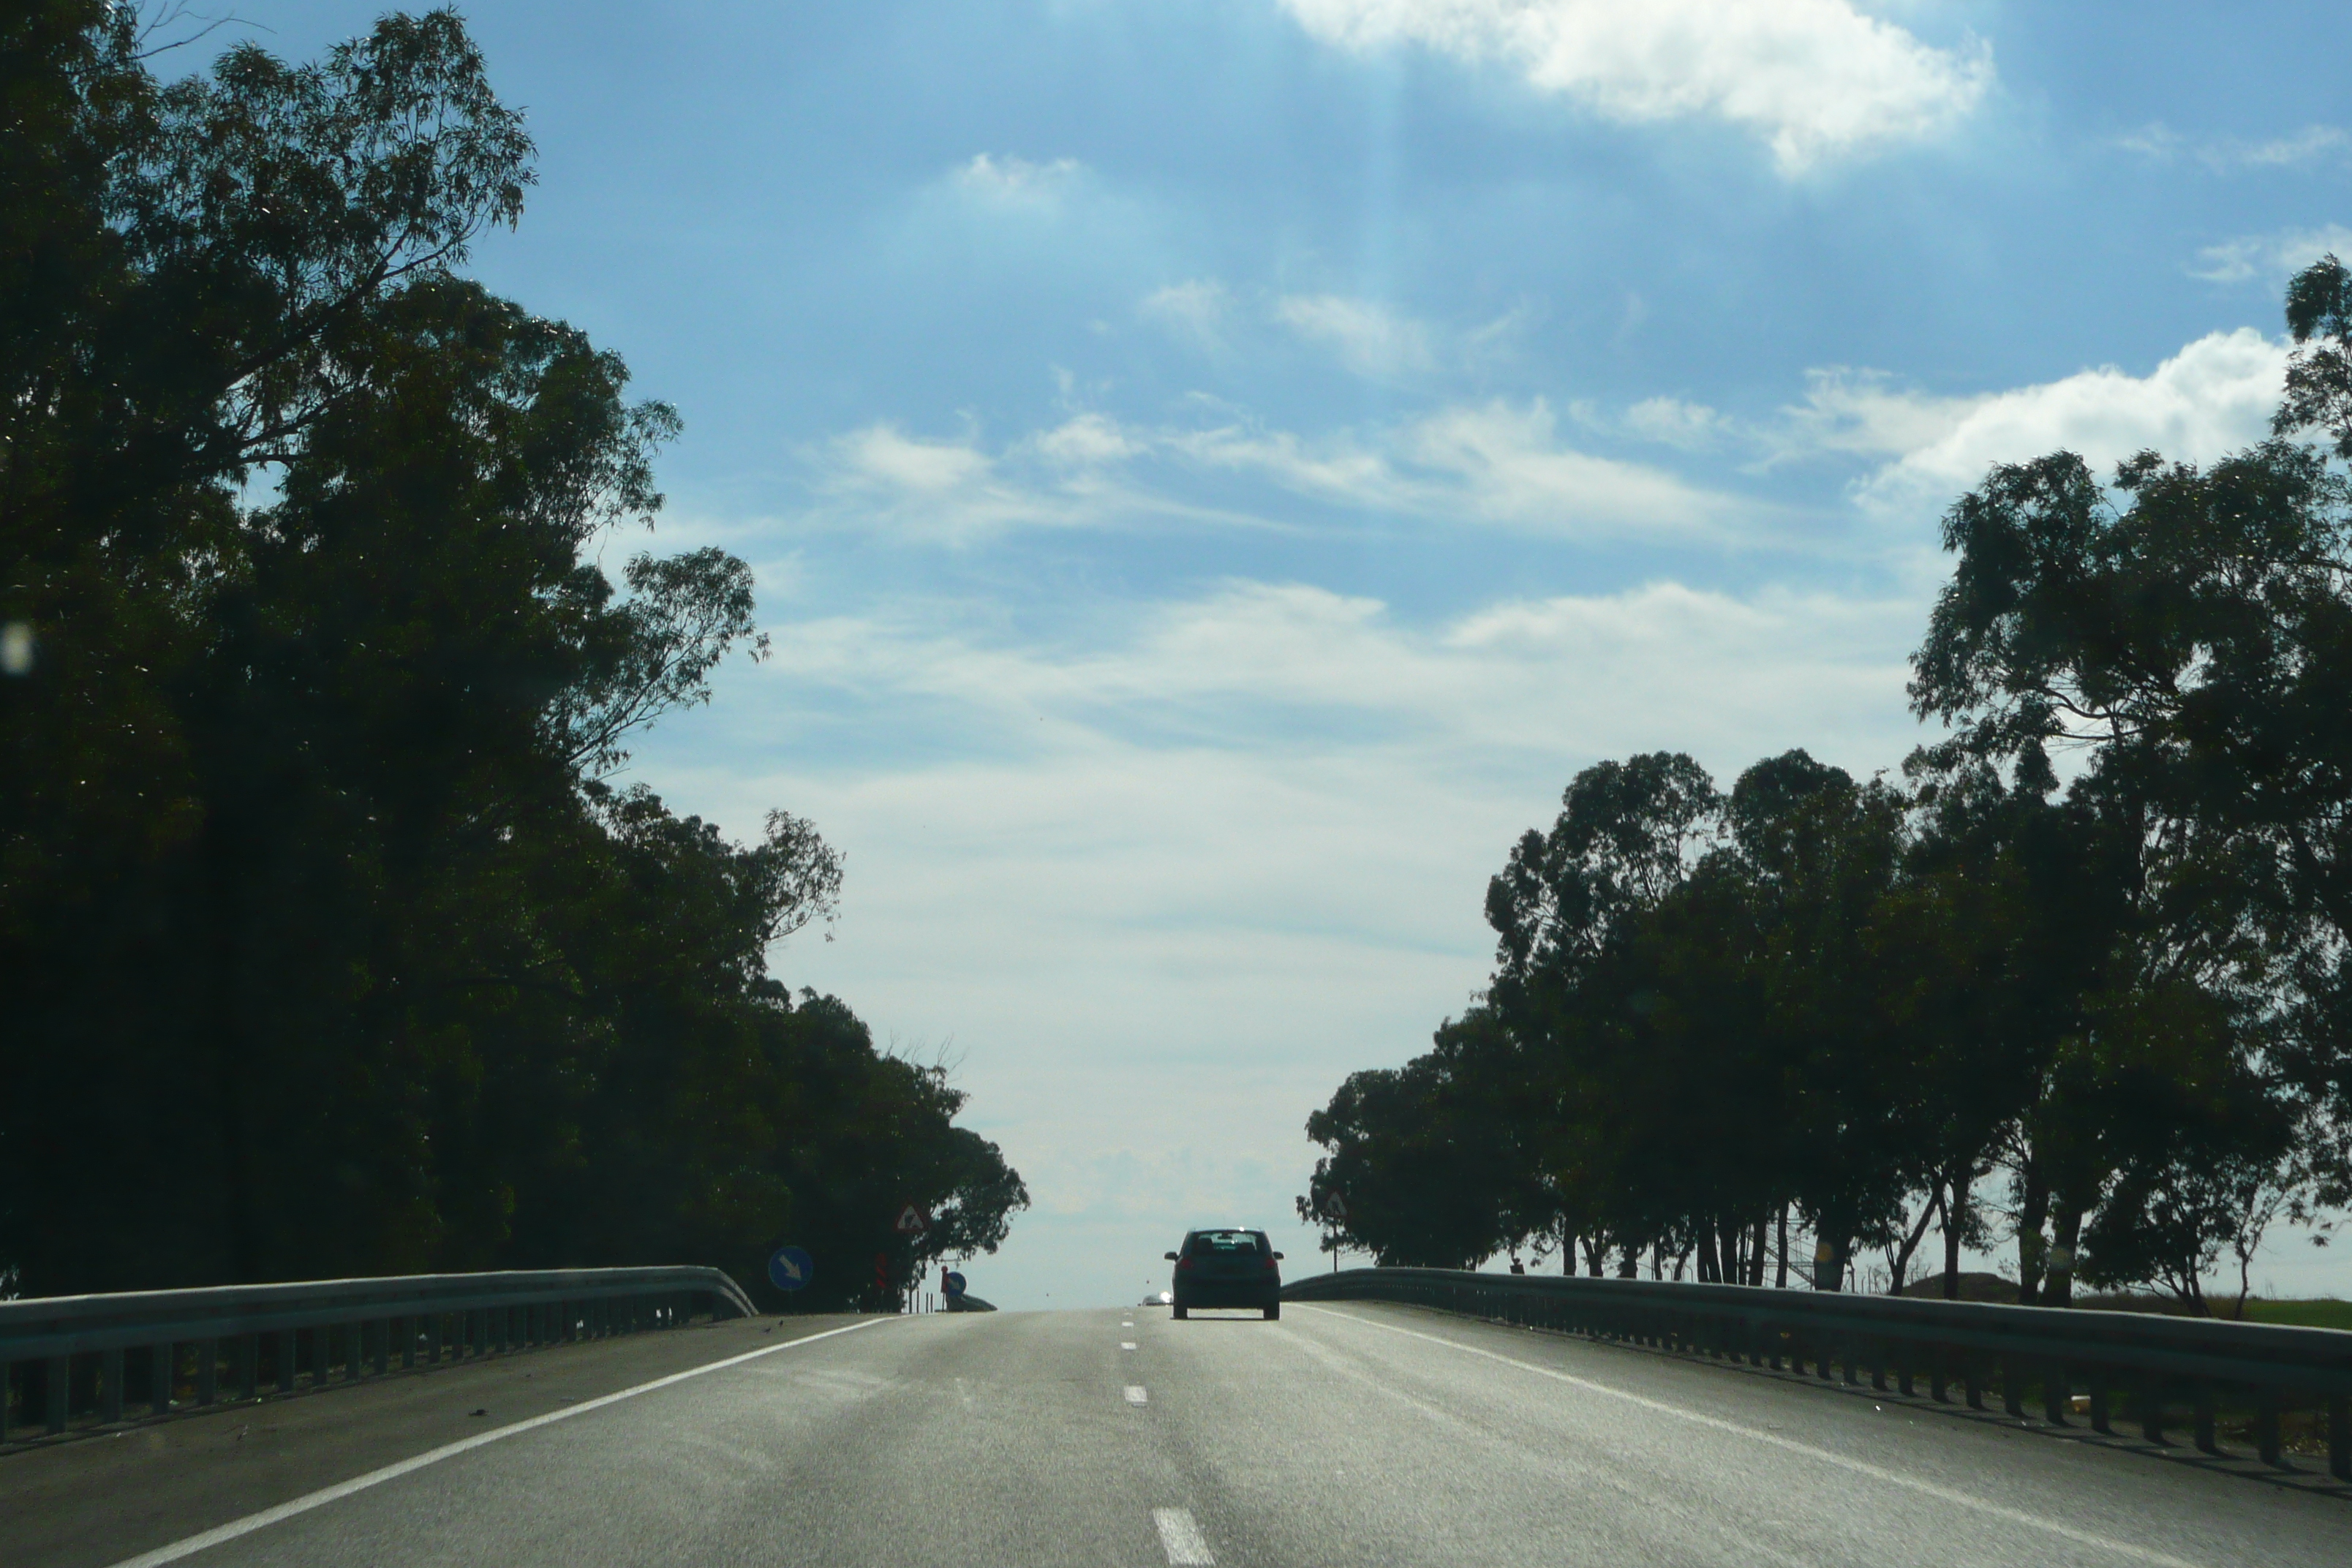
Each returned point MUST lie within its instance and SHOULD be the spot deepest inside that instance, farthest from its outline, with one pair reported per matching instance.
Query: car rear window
(1202, 1242)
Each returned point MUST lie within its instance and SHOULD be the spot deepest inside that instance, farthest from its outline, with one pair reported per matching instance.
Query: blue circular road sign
(789, 1268)
(951, 1282)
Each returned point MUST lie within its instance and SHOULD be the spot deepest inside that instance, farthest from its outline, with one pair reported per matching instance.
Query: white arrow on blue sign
(951, 1282)
(789, 1268)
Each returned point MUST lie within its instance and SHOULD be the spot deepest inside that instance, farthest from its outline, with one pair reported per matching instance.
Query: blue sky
(1217, 468)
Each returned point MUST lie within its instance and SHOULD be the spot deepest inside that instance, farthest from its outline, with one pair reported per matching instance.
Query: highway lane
(1348, 1434)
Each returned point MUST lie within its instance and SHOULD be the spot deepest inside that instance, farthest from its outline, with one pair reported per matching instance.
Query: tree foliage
(2125, 995)
(329, 946)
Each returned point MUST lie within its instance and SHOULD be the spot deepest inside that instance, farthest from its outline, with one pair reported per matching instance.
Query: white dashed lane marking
(1181, 1539)
(1127, 1344)
(1135, 1395)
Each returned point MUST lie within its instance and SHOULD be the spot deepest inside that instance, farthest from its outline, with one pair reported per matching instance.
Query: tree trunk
(1955, 1216)
(1783, 1280)
(2066, 1229)
(2034, 1208)
(1829, 1263)
(1710, 1268)
(1755, 1253)
(1911, 1242)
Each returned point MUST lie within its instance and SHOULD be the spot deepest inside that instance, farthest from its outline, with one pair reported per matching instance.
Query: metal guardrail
(2160, 1364)
(69, 1357)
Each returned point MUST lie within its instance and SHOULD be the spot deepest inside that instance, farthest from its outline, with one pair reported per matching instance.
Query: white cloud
(1815, 79)
(1085, 440)
(1369, 338)
(1194, 309)
(1017, 181)
(1497, 463)
(885, 454)
(2214, 397)
(952, 491)
(2311, 141)
(1866, 412)
(1511, 468)
(1242, 838)
(2159, 142)
(1674, 422)
(2271, 258)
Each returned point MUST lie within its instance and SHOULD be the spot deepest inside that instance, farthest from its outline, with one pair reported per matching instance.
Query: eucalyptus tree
(1427, 1159)
(325, 944)
(2186, 631)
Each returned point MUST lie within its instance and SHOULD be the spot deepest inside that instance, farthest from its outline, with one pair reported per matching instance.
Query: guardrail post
(57, 1378)
(7, 1390)
(383, 1345)
(2204, 1407)
(1971, 1383)
(2151, 1409)
(1939, 1387)
(2266, 1426)
(110, 1386)
(2102, 1422)
(2057, 1392)
(249, 1366)
(2339, 1437)
(163, 1370)
(2013, 1386)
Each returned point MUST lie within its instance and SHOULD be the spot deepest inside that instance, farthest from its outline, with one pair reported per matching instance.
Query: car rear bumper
(1228, 1293)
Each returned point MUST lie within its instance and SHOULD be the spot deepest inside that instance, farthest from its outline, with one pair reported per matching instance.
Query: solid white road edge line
(324, 1495)
(1182, 1539)
(1859, 1467)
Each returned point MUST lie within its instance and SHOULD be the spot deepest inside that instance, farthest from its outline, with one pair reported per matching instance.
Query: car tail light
(1183, 1263)
(1269, 1260)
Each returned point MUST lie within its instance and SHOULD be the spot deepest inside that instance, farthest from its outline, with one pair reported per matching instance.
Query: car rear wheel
(1274, 1311)
(1177, 1312)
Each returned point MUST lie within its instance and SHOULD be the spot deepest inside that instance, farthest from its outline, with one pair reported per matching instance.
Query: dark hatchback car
(1227, 1268)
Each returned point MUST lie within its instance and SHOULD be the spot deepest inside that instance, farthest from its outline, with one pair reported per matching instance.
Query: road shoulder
(102, 1499)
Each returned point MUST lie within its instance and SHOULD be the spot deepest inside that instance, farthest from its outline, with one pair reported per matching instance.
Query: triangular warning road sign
(1334, 1207)
(912, 1221)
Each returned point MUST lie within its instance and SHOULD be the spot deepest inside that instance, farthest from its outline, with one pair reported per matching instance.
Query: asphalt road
(1348, 1434)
